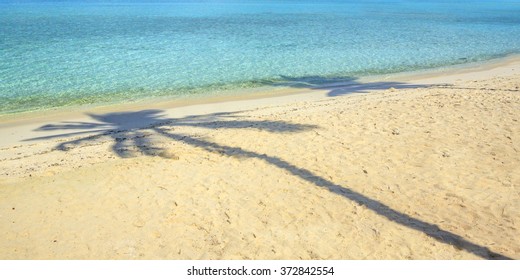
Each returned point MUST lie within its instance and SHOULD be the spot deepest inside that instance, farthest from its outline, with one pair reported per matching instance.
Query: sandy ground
(423, 169)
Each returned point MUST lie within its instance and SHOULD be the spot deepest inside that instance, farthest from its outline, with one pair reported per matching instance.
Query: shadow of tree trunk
(375, 206)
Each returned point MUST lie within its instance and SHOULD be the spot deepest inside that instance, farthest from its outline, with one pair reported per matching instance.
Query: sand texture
(397, 171)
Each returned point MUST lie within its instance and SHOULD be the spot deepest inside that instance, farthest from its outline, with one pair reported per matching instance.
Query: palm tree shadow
(337, 86)
(131, 131)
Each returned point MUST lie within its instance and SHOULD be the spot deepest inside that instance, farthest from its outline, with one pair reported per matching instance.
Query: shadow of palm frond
(133, 130)
(337, 86)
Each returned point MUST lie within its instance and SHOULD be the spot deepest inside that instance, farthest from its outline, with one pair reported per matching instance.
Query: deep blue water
(55, 54)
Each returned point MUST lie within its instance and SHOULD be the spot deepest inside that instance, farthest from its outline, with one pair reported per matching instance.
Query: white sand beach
(425, 166)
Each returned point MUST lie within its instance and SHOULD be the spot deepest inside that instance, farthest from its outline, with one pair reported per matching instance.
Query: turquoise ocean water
(55, 54)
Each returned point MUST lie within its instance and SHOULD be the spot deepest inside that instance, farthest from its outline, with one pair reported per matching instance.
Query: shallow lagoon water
(55, 54)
